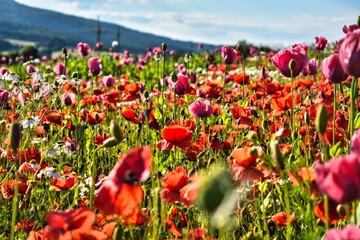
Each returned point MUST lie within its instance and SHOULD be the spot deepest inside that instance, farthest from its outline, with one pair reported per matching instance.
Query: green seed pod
(110, 142)
(214, 190)
(277, 155)
(115, 131)
(14, 136)
(321, 119)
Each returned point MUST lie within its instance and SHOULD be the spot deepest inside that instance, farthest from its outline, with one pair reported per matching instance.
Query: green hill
(52, 30)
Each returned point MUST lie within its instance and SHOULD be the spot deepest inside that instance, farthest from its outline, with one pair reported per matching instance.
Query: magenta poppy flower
(355, 142)
(350, 28)
(297, 53)
(340, 178)
(332, 69)
(348, 232)
(99, 45)
(201, 109)
(349, 53)
(95, 66)
(108, 81)
(311, 68)
(59, 69)
(83, 49)
(320, 43)
(229, 55)
(181, 86)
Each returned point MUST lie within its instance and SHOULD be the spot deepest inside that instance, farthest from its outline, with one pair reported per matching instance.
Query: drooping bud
(110, 142)
(321, 119)
(276, 154)
(115, 131)
(14, 136)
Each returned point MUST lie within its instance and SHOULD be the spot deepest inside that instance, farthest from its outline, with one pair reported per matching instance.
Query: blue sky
(269, 22)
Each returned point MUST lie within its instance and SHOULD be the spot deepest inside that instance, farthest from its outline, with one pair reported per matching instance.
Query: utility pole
(118, 35)
(98, 31)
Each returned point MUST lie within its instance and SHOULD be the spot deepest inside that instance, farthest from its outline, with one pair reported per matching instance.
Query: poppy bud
(146, 94)
(164, 46)
(64, 51)
(341, 210)
(187, 57)
(14, 136)
(292, 64)
(115, 131)
(214, 190)
(277, 155)
(75, 75)
(110, 142)
(321, 119)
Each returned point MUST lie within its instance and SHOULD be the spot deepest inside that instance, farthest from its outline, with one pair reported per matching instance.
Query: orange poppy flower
(66, 181)
(52, 116)
(25, 225)
(177, 135)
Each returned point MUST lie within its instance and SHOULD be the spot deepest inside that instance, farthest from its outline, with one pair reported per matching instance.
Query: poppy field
(213, 144)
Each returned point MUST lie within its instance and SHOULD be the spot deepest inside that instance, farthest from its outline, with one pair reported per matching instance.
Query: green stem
(334, 115)
(353, 97)
(292, 103)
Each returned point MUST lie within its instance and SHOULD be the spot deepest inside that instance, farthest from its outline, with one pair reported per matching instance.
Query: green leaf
(335, 150)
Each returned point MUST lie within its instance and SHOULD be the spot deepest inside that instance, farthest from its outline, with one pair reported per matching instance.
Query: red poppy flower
(66, 181)
(119, 193)
(25, 225)
(130, 115)
(52, 116)
(172, 182)
(177, 135)
(243, 163)
(242, 78)
(95, 118)
(74, 224)
(281, 219)
(334, 217)
(8, 188)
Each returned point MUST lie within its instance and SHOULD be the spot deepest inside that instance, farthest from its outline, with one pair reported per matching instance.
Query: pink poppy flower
(68, 98)
(350, 28)
(109, 81)
(332, 70)
(320, 43)
(201, 108)
(83, 49)
(348, 232)
(59, 69)
(297, 53)
(229, 55)
(95, 66)
(349, 53)
(311, 68)
(30, 69)
(340, 178)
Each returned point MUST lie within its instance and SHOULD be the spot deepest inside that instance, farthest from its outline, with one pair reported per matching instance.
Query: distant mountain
(52, 30)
